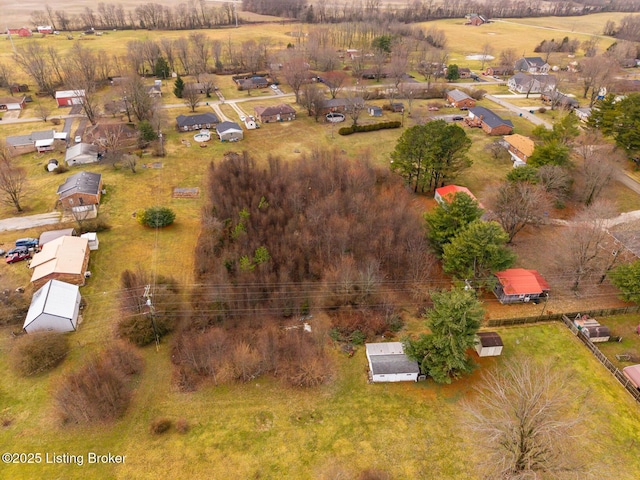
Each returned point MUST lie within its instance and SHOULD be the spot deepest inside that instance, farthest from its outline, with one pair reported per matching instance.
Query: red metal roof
(451, 190)
(519, 281)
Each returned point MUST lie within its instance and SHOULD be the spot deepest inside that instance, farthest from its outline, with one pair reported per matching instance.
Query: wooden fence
(626, 383)
(566, 319)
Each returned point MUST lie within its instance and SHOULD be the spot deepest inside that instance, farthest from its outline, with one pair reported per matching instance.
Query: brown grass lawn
(625, 326)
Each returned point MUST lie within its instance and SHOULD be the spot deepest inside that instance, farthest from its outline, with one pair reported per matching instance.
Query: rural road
(22, 223)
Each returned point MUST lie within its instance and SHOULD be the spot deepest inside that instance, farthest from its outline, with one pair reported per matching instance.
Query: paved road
(523, 112)
(22, 223)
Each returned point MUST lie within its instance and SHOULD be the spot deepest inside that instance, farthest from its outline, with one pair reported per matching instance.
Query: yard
(260, 429)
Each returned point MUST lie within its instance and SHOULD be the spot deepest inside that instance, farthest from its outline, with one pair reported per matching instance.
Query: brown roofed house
(520, 148)
(277, 113)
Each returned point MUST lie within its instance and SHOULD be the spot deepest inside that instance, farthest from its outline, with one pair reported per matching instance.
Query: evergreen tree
(478, 251)
(453, 321)
(627, 278)
(178, 88)
(161, 68)
(453, 72)
(447, 219)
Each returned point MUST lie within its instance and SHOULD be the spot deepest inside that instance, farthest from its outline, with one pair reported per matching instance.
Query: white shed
(54, 307)
(488, 344)
(388, 363)
(93, 240)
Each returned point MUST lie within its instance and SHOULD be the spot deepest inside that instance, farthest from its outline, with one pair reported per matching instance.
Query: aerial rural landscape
(364, 240)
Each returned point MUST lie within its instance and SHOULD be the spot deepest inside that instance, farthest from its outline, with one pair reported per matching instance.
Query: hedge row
(368, 128)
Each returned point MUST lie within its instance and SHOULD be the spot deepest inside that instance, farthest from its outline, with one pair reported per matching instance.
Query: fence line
(565, 318)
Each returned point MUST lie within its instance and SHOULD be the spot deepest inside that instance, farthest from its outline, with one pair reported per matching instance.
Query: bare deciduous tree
(34, 61)
(191, 97)
(598, 166)
(296, 73)
(525, 421)
(519, 204)
(13, 180)
(334, 81)
(580, 247)
(312, 99)
(556, 181)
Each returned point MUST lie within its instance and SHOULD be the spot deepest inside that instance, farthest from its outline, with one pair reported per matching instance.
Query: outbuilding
(92, 237)
(81, 153)
(388, 363)
(374, 111)
(68, 98)
(488, 344)
(633, 374)
(229, 132)
(54, 308)
(12, 103)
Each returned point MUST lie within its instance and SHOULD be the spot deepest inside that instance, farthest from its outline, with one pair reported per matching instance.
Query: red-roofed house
(519, 285)
(446, 194)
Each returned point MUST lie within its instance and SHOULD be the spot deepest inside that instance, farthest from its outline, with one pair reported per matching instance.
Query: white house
(488, 344)
(54, 307)
(388, 363)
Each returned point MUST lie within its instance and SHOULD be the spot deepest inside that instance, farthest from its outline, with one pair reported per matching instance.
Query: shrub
(97, 225)
(13, 307)
(99, 391)
(55, 121)
(368, 128)
(62, 168)
(160, 425)
(38, 352)
(542, 110)
(156, 217)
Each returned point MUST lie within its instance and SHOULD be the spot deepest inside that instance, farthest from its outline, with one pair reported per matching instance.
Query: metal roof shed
(54, 307)
(388, 363)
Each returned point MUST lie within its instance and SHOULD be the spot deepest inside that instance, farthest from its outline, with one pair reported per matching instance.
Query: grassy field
(261, 430)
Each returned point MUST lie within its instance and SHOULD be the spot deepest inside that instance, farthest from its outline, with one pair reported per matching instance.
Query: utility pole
(152, 313)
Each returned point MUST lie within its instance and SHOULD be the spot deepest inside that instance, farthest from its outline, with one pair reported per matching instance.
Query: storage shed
(54, 307)
(488, 344)
(633, 374)
(93, 240)
(388, 363)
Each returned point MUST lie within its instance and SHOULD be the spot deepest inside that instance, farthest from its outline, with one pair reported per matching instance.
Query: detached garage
(54, 307)
(388, 363)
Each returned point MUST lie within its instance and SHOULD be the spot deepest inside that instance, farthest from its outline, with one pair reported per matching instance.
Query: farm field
(262, 429)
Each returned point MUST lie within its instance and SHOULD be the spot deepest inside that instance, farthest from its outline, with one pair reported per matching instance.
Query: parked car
(274, 86)
(78, 139)
(17, 249)
(27, 242)
(433, 109)
(18, 256)
(457, 118)
(242, 118)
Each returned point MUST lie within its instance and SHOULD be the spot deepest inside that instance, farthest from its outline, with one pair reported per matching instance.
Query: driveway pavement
(22, 223)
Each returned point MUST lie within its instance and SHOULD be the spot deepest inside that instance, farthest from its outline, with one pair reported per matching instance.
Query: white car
(242, 118)
(275, 87)
(78, 139)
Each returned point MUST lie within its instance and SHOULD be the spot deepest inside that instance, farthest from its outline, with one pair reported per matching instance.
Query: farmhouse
(388, 363)
(68, 98)
(488, 344)
(464, 72)
(518, 285)
(277, 113)
(252, 82)
(186, 123)
(532, 65)
(81, 153)
(490, 123)
(229, 132)
(12, 103)
(475, 20)
(446, 194)
(459, 99)
(81, 189)
(65, 259)
(558, 99)
(46, 237)
(633, 374)
(524, 83)
(54, 308)
(520, 148)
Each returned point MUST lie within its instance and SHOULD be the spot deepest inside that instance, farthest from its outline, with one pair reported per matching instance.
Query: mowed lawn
(263, 430)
